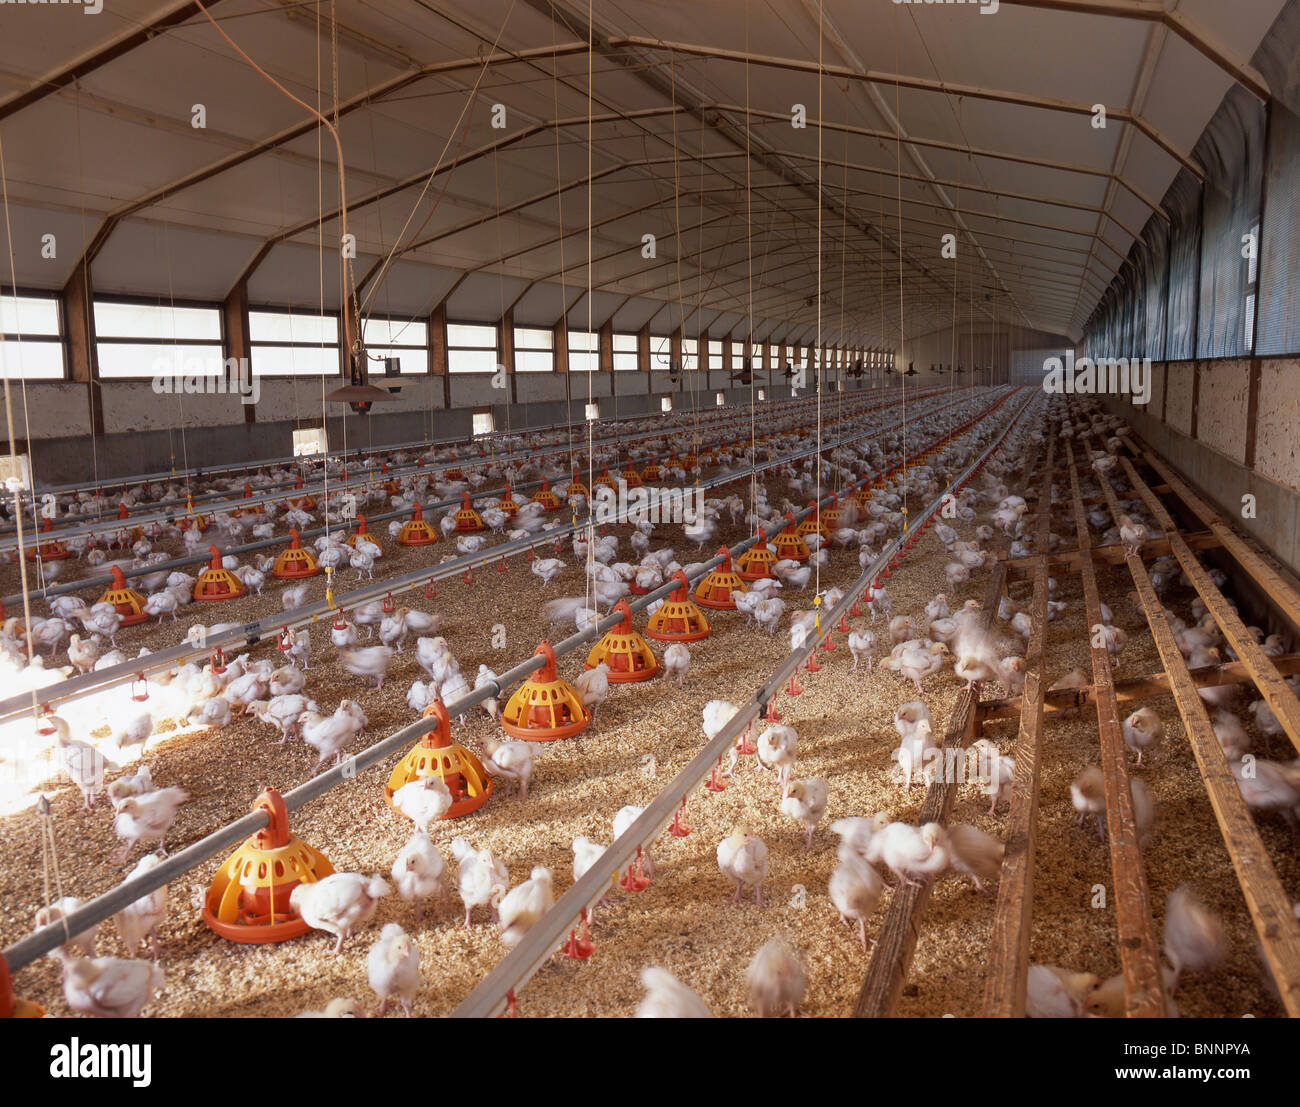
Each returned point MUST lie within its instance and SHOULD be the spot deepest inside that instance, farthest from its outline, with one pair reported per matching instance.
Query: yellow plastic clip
(329, 592)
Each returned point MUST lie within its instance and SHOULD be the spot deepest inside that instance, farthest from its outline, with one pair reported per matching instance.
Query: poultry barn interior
(609, 509)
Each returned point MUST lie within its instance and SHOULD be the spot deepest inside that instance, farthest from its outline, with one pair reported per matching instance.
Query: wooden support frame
(1144, 993)
(1006, 985)
(1266, 899)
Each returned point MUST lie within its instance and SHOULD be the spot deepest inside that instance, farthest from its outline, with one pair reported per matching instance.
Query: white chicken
(974, 853)
(776, 978)
(777, 748)
(910, 852)
(146, 818)
(141, 919)
(78, 945)
(1193, 935)
(522, 906)
(592, 687)
(742, 857)
(423, 801)
(393, 967)
(482, 879)
(417, 871)
(367, 661)
(110, 987)
(677, 662)
(513, 761)
(805, 802)
(854, 888)
(668, 998)
(339, 903)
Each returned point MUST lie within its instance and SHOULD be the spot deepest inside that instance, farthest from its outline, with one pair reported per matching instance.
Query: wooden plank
(1021, 568)
(898, 934)
(1144, 995)
(1135, 688)
(1275, 691)
(1282, 589)
(1266, 899)
(1008, 963)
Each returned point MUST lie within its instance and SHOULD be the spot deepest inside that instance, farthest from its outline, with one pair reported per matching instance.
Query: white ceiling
(736, 229)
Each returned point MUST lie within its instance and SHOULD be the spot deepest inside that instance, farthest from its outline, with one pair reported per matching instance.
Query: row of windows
(135, 340)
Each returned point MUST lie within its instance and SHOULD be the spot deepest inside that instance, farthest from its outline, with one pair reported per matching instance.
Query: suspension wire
(902, 331)
(89, 307)
(844, 251)
(749, 276)
(591, 371)
(817, 355)
(564, 290)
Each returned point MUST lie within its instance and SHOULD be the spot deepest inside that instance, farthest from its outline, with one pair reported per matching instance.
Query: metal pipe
(42, 941)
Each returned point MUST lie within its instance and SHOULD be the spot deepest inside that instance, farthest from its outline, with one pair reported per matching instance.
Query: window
(715, 354)
(661, 351)
(737, 354)
(293, 343)
(690, 353)
(30, 342)
(624, 351)
(720, 399)
(405, 339)
(1252, 289)
(666, 404)
(151, 340)
(584, 351)
(17, 466)
(483, 423)
(592, 411)
(534, 350)
(309, 442)
(471, 348)
(762, 393)
(789, 357)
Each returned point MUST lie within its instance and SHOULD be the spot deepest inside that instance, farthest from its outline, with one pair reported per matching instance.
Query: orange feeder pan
(651, 472)
(51, 550)
(128, 602)
(253, 509)
(436, 753)
(576, 487)
(756, 562)
(467, 519)
(248, 899)
(546, 497)
(832, 518)
(12, 1006)
(627, 654)
(216, 583)
(678, 619)
(546, 708)
(790, 545)
(305, 501)
(689, 462)
(605, 480)
(863, 495)
(415, 531)
(361, 532)
(631, 478)
(295, 562)
(717, 588)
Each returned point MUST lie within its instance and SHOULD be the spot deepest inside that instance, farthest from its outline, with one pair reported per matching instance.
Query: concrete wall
(1199, 419)
(149, 432)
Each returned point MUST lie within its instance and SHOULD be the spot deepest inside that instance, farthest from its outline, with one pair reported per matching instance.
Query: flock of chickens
(279, 694)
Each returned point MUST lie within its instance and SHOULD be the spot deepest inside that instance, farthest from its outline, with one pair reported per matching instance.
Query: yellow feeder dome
(415, 531)
(436, 753)
(678, 619)
(508, 504)
(12, 1006)
(690, 461)
(833, 518)
(631, 478)
(217, 582)
(757, 561)
(812, 524)
(52, 549)
(605, 480)
(717, 588)
(545, 708)
(623, 649)
(248, 899)
(362, 532)
(575, 487)
(467, 519)
(294, 563)
(546, 497)
(129, 602)
(863, 494)
(454, 473)
(650, 473)
(790, 545)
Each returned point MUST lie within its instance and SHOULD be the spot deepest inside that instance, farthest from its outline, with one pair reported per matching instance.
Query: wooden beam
(438, 350)
(1135, 688)
(83, 357)
(1144, 994)
(235, 330)
(1020, 568)
(1006, 983)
